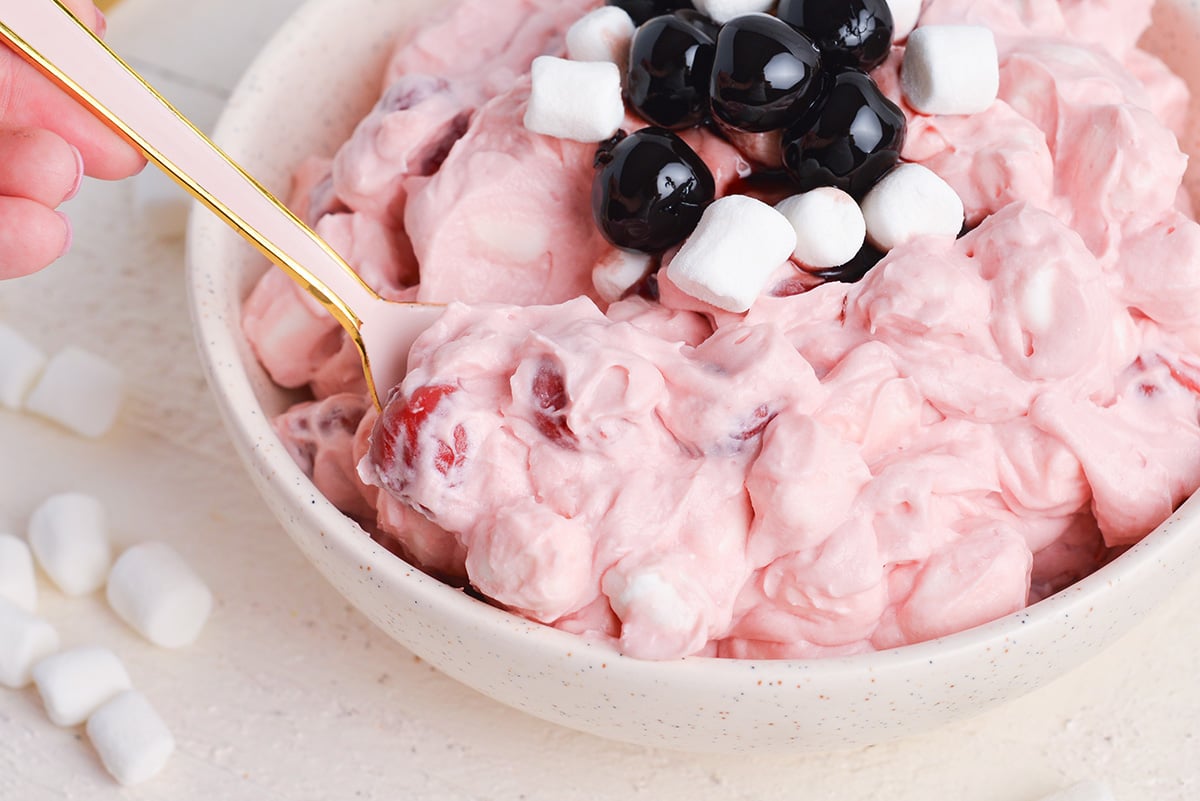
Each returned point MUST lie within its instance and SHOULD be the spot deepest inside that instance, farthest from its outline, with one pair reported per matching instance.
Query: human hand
(47, 144)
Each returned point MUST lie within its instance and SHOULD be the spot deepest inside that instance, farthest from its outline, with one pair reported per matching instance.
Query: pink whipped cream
(974, 426)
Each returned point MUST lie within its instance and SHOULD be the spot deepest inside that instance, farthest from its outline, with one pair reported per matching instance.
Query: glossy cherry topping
(670, 60)
(850, 33)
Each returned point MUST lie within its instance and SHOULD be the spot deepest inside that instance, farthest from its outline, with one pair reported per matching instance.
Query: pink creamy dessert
(973, 426)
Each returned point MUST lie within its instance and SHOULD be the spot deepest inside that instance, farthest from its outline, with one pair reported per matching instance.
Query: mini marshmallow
(618, 272)
(25, 640)
(158, 594)
(75, 683)
(904, 17)
(727, 261)
(80, 391)
(68, 534)
(18, 582)
(830, 229)
(21, 364)
(579, 100)
(1084, 791)
(911, 201)
(722, 11)
(132, 740)
(601, 35)
(950, 69)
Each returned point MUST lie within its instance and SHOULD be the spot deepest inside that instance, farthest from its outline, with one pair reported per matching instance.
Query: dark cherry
(766, 74)
(850, 33)
(850, 142)
(670, 60)
(642, 10)
(854, 270)
(650, 190)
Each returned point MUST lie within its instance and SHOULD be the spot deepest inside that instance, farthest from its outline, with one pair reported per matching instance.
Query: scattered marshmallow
(75, 683)
(727, 261)
(69, 536)
(25, 640)
(601, 35)
(911, 201)
(131, 738)
(722, 11)
(158, 594)
(160, 205)
(1084, 791)
(830, 229)
(21, 364)
(618, 272)
(78, 390)
(904, 17)
(579, 100)
(18, 582)
(950, 69)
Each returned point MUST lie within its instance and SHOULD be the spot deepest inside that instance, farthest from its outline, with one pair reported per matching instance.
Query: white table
(290, 694)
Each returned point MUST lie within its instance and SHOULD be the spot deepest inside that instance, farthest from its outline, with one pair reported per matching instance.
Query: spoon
(51, 38)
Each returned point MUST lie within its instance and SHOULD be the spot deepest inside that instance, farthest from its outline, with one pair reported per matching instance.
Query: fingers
(31, 236)
(30, 100)
(38, 165)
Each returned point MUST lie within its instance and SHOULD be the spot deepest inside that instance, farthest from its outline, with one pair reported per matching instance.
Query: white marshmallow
(579, 100)
(911, 201)
(724, 10)
(601, 35)
(618, 272)
(1084, 791)
(158, 594)
(904, 17)
(830, 229)
(25, 640)
(78, 390)
(18, 582)
(75, 683)
(132, 740)
(68, 534)
(950, 69)
(21, 364)
(727, 261)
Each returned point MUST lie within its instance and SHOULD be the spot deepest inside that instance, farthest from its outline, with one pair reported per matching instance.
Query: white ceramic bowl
(302, 96)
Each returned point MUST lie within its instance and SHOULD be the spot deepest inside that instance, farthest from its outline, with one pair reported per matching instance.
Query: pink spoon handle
(50, 37)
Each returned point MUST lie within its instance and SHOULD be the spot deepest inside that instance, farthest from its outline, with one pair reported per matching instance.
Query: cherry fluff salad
(773, 329)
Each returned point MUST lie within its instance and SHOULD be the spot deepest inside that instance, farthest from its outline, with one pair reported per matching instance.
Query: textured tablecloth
(291, 694)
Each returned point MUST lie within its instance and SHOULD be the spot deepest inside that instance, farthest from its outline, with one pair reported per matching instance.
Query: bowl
(302, 96)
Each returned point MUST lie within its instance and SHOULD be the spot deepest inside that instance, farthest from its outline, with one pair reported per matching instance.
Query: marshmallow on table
(131, 738)
(601, 35)
(78, 390)
(68, 534)
(722, 11)
(618, 272)
(21, 363)
(911, 201)
(25, 640)
(75, 683)
(18, 582)
(830, 229)
(158, 594)
(1084, 791)
(904, 17)
(579, 100)
(950, 69)
(730, 256)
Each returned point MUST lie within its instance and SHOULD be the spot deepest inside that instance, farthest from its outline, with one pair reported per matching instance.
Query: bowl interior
(303, 96)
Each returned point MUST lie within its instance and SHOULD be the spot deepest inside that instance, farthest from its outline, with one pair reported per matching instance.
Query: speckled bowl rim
(1173, 543)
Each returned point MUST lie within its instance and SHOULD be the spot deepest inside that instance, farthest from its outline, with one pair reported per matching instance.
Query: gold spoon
(51, 38)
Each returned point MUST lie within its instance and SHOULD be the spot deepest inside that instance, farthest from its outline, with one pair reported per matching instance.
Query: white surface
(290, 695)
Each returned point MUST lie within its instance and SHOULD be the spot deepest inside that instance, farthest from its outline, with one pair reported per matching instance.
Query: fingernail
(74, 190)
(101, 23)
(70, 234)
